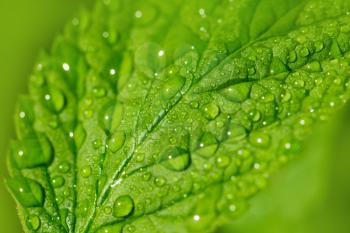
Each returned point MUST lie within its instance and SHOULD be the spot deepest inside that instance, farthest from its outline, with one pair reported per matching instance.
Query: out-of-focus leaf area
(312, 194)
(26, 27)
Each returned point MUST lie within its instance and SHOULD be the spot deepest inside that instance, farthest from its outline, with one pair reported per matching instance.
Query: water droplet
(32, 152)
(106, 116)
(86, 171)
(58, 99)
(26, 191)
(107, 210)
(176, 159)
(64, 167)
(255, 115)
(140, 158)
(299, 83)
(34, 222)
(146, 176)
(172, 87)
(99, 92)
(57, 182)
(123, 206)
(160, 181)
(260, 140)
(211, 111)
(194, 104)
(116, 141)
(129, 228)
(237, 93)
(319, 46)
(208, 145)
(251, 71)
(223, 161)
(236, 131)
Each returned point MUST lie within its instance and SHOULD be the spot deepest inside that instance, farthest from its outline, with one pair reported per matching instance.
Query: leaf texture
(166, 116)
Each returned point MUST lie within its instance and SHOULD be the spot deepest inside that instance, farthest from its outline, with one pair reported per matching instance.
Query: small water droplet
(116, 141)
(34, 222)
(123, 206)
(223, 161)
(208, 145)
(211, 111)
(146, 176)
(172, 87)
(260, 140)
(86, 171)
(107, 210)
(99, 92)
(63, 167)
(57, 182)
(255, 115)
(175, 158)
(160, 181)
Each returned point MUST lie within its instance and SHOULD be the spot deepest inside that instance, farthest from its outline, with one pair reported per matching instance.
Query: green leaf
(167, 116)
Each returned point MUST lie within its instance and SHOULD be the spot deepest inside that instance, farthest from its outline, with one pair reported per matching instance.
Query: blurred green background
(312, 194)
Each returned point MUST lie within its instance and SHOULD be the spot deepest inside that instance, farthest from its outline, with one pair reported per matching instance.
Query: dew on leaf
(34, 222)
(63, 167)
(255, 115)
(175, 158)
(123, 206)
(237, 93)
(116, 141)
(236, 131)
(260, 140)
(159, 181)
(207, 145)
(99, 92)
(86, 171)
(28, 192)
(172, 87)
(211, 111)
(57, 182)
(222, 161)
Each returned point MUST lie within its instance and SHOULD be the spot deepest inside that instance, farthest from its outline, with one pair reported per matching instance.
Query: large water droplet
(123, 206)
(116, 141)
(32, 152)
(27, 192)
(176, 159)
(208, 145)
(172, 87)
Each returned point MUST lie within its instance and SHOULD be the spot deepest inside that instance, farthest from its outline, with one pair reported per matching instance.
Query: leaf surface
(166, 116)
